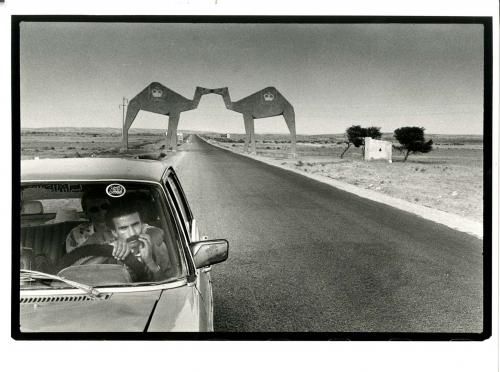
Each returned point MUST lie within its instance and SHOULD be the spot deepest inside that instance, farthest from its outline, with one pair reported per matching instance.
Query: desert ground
(449, 178)
(90, 142)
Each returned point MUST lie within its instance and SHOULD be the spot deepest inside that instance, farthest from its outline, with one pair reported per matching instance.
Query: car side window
(172, 183)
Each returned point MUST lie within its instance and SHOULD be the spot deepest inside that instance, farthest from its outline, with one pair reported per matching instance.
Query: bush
(412, 140)
(355, 135)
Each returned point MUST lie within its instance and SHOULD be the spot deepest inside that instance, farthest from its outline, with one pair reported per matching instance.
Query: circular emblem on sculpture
(115, 190)
(268, 96)
(157, 92)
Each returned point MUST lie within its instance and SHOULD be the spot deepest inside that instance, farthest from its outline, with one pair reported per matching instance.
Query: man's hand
(145, 248)
(120, 250)
(146, 251)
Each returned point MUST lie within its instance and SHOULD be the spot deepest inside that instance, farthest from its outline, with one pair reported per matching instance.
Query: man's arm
(162, 260)
(71, 242)
(155, 255)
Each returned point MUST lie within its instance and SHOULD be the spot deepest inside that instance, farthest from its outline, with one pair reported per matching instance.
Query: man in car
(133, 236)
(127, 232)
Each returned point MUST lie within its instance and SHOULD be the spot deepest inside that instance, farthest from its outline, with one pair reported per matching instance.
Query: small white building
(378, 150)
(180, 137)
(228, 135)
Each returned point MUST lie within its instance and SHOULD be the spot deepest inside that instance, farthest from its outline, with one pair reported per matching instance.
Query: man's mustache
(133, 238)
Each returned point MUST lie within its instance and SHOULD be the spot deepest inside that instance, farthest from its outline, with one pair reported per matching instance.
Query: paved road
(305, 256)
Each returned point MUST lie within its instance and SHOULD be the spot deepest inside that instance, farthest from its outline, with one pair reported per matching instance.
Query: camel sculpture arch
(265, 103)
(159, 99)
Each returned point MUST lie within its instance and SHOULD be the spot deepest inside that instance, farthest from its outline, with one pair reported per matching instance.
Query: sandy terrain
(85, 142)
(450, 178)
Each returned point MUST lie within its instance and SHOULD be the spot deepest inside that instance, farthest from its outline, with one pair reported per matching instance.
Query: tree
(373, 132)
(412, 140)
(355, 135)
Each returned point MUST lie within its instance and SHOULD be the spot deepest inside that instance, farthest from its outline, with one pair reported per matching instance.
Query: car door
(203, 281)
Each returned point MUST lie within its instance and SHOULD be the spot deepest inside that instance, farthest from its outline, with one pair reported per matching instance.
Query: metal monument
(159, 99)
(265, 103)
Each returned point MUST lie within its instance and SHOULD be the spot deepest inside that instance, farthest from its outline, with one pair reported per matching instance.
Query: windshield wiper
(32, 274)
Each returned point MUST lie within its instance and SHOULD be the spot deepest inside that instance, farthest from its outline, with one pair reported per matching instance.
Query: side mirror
(209, 252)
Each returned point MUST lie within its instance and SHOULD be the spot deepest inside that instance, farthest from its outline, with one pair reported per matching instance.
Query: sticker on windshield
(57, 187)
(115, 190)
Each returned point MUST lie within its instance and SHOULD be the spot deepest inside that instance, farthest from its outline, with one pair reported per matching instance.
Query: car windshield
(98, 234)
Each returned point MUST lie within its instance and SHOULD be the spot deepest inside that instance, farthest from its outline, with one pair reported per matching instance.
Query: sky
(335, 75)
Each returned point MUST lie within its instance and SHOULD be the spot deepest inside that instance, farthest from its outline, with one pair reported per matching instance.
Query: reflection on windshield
(97, 234)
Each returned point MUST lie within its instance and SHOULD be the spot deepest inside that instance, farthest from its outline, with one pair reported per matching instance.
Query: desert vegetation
(89, 142)
(412, 141)
(355, 135)
(450, 178)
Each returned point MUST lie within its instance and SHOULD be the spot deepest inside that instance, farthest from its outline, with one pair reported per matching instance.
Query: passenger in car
(95, 205)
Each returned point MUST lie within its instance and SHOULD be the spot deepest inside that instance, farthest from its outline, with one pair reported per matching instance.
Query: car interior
(47, 219)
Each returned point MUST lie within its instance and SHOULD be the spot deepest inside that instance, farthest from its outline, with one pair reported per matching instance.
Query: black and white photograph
(252, 177)
(224, 177)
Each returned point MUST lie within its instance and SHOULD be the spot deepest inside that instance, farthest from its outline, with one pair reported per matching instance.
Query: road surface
(305, 256)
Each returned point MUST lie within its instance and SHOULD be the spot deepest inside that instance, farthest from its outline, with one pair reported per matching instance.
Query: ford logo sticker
(115, 190)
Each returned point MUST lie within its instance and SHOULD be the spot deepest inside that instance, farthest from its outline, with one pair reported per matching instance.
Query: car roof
(92, 169)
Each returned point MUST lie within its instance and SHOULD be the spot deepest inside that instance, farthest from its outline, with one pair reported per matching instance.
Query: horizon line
(264, 133)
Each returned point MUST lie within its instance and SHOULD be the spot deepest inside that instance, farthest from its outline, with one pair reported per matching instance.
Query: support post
(124, 131)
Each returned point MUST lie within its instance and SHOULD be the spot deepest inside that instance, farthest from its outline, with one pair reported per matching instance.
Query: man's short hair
(122, 207)
(92, 194)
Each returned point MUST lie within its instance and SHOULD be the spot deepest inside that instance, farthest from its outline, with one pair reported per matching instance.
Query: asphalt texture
(307, 257)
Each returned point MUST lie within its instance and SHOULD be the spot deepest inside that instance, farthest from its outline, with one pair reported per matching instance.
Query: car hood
(115, 312)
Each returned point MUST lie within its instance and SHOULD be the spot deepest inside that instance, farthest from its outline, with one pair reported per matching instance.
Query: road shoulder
(448, 219)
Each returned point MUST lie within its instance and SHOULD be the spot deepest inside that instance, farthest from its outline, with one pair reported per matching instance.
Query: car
(63, 288)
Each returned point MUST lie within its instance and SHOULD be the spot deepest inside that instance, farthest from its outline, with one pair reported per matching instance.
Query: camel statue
(265, 103)
(159, 99)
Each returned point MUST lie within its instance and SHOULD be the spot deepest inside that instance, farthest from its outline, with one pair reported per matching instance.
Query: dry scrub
(450, 178)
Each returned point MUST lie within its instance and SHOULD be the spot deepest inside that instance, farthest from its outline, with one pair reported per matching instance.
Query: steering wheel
(100, 250)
